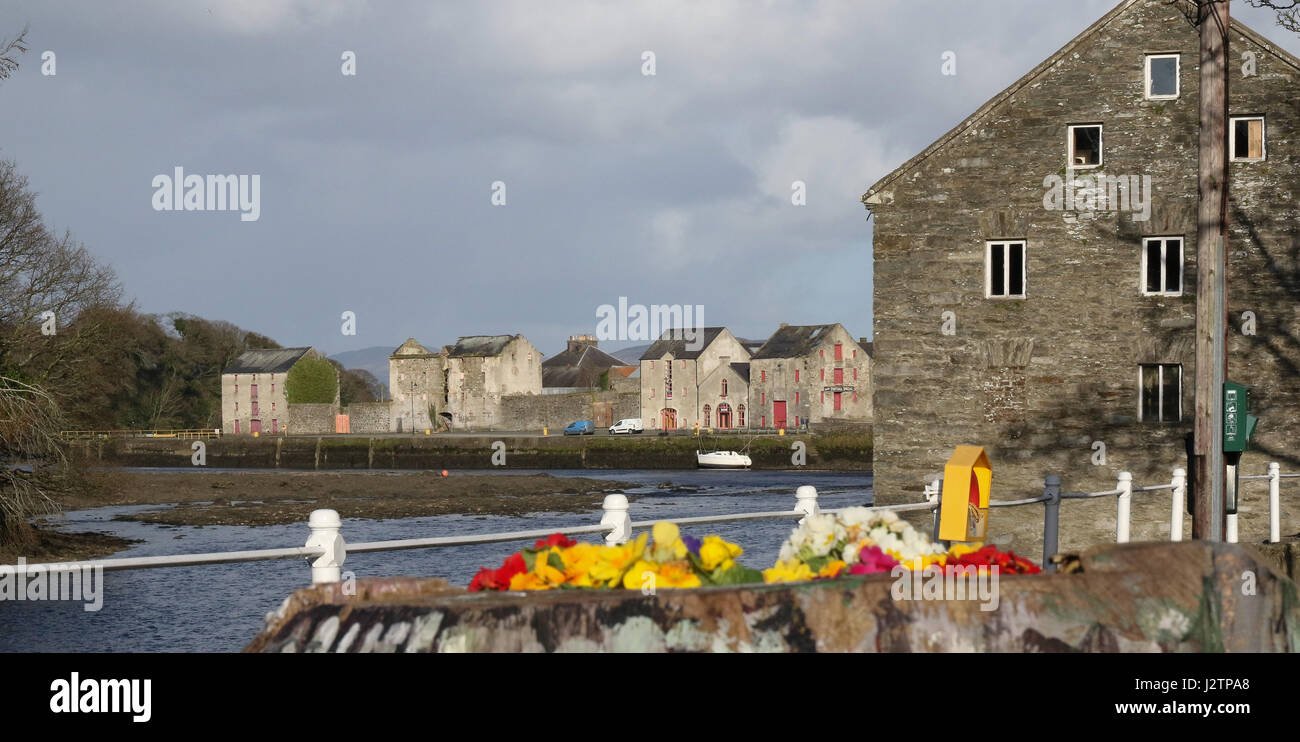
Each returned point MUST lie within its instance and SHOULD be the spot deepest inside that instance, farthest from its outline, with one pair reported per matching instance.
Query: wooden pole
(1211, 292)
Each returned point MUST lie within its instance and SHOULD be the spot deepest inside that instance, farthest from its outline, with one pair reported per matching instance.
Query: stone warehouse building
(582, 366)
(809, 374)
(252, 391)
(480, 370)
(417, 385)
(671, 376)
(1022, 307)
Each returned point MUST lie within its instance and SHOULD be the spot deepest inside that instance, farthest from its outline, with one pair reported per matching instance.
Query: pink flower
(872, 559)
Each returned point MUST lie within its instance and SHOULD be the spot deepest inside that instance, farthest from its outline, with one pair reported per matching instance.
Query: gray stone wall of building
(416, 384)
(1040, 381)
(555, 411)
(368, 417)
(310, 419)
(811, 396)
(476, 385)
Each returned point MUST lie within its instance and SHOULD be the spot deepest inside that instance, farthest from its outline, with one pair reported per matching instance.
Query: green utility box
(1238, 423)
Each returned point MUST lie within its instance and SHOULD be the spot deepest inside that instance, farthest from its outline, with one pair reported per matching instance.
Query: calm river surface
(219, 608)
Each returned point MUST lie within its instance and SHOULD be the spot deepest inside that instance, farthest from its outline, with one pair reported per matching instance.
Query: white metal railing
(328, 550)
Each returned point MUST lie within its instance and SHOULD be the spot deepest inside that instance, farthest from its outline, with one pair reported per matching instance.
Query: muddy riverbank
(267, 498)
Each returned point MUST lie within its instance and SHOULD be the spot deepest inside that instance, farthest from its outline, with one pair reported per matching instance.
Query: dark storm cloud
(375, 188)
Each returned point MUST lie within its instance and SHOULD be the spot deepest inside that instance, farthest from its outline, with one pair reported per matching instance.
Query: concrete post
(1180, 496)
(1274, 505)
(1051, 517)
(615, 507)
(325, 526)
(806, 501)
(1125, 507)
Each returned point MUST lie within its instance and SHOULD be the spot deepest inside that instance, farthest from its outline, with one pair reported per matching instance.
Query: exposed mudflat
(256, 499)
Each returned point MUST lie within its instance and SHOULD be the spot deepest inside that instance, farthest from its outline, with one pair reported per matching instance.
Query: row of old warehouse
(708, 378)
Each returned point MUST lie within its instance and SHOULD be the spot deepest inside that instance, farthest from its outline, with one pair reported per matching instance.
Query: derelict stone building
(1035, 267)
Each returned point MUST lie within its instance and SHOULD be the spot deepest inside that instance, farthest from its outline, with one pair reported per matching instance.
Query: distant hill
(630, 355)
(373, 359)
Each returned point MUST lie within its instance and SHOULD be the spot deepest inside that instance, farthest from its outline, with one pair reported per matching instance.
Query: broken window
(1162, 76)
(1085, 145)
(1004, 270)
(1161, 392)
(1162, 266)
(1247, 135)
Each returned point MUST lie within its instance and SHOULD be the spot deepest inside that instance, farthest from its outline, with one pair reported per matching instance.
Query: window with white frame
(1084, 144)
(1004, 269)
(1162, 76)
(1162, 266)
(1246, 138)
(1160, 392)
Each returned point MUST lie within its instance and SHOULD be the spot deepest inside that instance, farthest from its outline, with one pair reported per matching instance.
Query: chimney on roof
(578, 342)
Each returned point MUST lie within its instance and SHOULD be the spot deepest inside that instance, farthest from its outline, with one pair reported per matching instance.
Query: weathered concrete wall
(417, 387)
(1039, 380)
(368, 417)
(310, 419)
(1135, 598)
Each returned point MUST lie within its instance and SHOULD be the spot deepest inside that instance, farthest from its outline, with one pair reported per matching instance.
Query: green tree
(312, 381)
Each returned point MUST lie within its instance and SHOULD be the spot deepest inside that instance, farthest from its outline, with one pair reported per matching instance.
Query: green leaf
(736, 574)
(530, 558)
(554, 560)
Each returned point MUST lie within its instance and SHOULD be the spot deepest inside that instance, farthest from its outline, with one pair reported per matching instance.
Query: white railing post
(1125, 507)
(1180, 494)
(615, 507)
(932, 494)
(1274, 505)
(805, 501)
(325, 526)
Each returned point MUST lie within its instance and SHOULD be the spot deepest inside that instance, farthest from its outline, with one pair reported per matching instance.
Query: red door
(255, 426)
(838, 398)
(778, 413)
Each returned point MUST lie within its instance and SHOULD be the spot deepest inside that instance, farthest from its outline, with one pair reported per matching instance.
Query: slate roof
(585, 356)
(742, 370)
(671, 341)
(793, 341)
(480, 345)
(269, 361)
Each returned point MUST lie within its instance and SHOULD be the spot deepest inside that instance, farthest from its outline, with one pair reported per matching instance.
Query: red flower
(498, 579)
(555, 539)
(989, 556)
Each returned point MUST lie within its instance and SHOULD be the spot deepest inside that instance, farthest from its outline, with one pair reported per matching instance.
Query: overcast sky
(376, 189)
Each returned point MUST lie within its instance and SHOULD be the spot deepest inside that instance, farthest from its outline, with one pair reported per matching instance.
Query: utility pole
(1211, 265)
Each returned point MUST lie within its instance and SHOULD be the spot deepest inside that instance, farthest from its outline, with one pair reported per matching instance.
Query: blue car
(581, 427)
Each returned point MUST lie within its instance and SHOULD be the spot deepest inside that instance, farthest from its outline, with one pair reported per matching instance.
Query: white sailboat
(722, 460)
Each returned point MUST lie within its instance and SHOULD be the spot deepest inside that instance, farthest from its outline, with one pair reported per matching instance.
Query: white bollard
(805, 501)
(615, 507)
(1125, 507)
(325, 526)
(1274, 509)
(1180, 495)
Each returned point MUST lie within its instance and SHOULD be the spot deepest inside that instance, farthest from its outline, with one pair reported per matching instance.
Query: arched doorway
(724, 416)
(668, 418)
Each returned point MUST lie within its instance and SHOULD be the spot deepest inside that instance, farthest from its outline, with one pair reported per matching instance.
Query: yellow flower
(668, 544)
(666, 575)
(612, 561)
(918, 562)
(578, 562)
(543, 576)
(715, 553)
(791, 571)
(635, 578)
(676, 574)
(831, 569)
(960, 550)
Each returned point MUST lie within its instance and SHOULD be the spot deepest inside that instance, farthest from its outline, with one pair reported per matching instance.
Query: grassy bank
(850, 451)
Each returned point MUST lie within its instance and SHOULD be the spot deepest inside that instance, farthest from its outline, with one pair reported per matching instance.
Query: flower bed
(854, 541)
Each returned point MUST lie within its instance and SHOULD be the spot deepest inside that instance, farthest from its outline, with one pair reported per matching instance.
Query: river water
(220, 607)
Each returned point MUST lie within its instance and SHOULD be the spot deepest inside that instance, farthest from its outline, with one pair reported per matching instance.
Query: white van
(627, 425)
